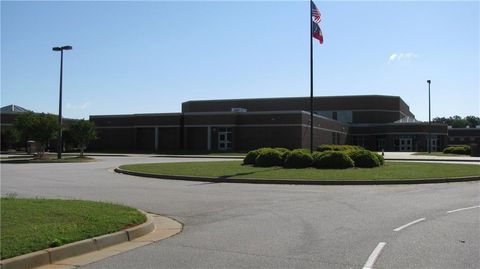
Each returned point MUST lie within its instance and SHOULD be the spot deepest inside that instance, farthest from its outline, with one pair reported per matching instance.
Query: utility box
(32, 147)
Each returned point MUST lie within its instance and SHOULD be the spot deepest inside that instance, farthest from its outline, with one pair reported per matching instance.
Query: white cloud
(402, 56)
(78, 107)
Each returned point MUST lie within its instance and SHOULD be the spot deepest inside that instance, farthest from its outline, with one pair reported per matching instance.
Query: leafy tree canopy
(82, 132)
(459, 122)
(40, 127)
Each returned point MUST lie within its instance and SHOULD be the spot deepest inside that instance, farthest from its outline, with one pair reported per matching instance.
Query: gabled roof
(13, 109)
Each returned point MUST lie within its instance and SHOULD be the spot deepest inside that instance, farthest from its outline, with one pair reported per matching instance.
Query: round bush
(460, 149)
(380, 158)
(250, 157)
(283, 152)
(364, 158)
(322, 148)
(332, 160)
(268, 157)
(298, 159)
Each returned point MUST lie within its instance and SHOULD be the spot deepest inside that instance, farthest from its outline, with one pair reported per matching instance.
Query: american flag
(316, 16)
(317, 32)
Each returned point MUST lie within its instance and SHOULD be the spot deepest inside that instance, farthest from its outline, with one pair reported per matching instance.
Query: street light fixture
(60, 141)
(429, 121)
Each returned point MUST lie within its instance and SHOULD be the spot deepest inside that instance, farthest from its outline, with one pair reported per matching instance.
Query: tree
(9, 137)
(440, 120)
(24, 125)
(82, 133)
(458, 122)
(39, 127)
(472, 121)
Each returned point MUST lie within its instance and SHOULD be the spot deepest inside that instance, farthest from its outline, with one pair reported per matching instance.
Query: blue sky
(149, 57)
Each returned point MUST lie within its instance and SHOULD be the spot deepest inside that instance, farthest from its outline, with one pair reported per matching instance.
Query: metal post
(429, 121)
(311, 80)
(60, 142)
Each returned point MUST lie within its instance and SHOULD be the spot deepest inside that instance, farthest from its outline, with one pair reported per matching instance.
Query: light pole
(60, 142)
(429, 143)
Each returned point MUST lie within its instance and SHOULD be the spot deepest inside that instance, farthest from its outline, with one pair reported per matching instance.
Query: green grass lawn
(214, 153)
(235, 169)
(29, 225)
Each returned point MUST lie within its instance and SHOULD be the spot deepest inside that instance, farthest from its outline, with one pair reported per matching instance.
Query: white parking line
(465, 208)
(408, 224)
(373, 257)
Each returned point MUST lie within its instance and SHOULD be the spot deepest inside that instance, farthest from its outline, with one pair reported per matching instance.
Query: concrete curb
(301, 182)
(53, 255)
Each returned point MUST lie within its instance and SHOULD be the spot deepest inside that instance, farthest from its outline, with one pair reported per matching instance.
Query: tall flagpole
(311, 78)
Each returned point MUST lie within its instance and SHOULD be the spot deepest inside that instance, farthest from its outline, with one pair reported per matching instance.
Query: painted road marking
(373, 257)
(408, 224)
(465, 208)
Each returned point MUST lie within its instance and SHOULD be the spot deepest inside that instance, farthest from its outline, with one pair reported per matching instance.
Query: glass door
(405, 144)
(225, 138)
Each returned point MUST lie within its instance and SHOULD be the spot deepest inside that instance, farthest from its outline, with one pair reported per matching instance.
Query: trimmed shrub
(307, 151)
(364, 158)
(268, 157)
(298, 159)
(250, 157)
(283, 152)
(332, 160)
(380, 158)
(459, 149)
(322, 148)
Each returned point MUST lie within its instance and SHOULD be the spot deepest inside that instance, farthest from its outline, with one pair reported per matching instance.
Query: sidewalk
(409, 156)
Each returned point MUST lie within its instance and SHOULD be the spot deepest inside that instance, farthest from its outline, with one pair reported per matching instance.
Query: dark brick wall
(365, 102)
(145, 139)
(398, 128)
(463, 136)
(137, 120)
(196, 138)
(391, 133)
(115, 139)
(376, 116)
(325, 131)
(247, 138)
(168, 139)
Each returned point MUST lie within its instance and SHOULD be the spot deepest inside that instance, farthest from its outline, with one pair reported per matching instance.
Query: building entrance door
(225, 138)
(380, 144)
(405, 144)
(433, 144)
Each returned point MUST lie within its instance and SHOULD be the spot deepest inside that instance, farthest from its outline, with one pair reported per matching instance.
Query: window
(344, 116)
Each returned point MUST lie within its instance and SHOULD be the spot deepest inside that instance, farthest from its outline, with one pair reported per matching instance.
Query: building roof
(13, 109)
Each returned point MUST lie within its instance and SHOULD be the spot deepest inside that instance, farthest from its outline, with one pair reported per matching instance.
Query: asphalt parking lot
(274, 226)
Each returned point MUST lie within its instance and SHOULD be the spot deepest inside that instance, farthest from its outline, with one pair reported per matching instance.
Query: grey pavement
(272, 226)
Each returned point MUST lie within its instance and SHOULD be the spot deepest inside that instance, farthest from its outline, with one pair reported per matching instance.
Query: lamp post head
(429, 81)
(62, 48)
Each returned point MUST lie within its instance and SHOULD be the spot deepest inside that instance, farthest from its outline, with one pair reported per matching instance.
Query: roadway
(274, 226)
